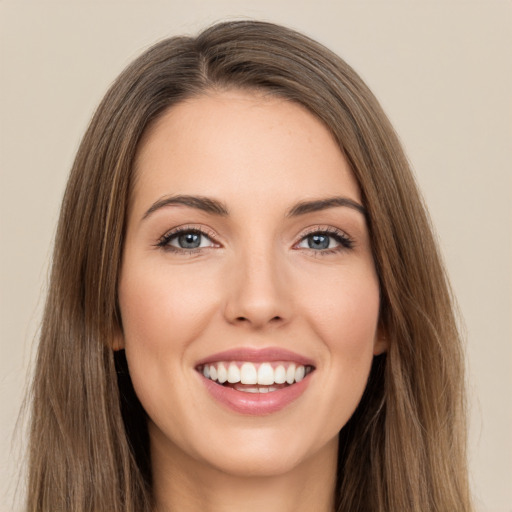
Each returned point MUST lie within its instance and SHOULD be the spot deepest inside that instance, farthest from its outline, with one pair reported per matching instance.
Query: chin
(253, 463)
(267, 453)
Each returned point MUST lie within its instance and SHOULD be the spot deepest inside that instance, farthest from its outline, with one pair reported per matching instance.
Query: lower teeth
(245, 388)
(257, 390)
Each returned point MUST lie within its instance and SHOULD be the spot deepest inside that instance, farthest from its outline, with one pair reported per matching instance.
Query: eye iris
(189, 240)
(318, 242)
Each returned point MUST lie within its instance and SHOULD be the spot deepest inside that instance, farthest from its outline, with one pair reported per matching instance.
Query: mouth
(255, 377)
(258, 382)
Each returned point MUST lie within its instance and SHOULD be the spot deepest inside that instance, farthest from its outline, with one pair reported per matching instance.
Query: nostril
(245, 319)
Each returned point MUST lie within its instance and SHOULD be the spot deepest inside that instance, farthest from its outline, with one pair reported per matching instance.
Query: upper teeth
(250, 373)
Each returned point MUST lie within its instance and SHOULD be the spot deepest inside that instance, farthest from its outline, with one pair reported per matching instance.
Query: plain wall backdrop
(442, 70)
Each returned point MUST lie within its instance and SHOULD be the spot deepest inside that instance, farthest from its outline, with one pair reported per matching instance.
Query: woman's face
(247, 258)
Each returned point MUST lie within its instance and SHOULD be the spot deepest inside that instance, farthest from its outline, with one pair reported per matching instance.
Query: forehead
(239, 145)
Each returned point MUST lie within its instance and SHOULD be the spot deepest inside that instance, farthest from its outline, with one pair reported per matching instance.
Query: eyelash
(164, 241)
(344, 241)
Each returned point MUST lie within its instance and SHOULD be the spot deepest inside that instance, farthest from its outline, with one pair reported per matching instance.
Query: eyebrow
(216, 207)
(205, 204)
(323, 204)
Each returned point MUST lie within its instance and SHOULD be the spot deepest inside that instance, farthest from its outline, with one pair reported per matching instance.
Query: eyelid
(323, 228)
(346, 241)
(163, 241)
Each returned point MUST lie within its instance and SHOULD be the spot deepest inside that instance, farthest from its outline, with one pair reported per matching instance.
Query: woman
(247, 307)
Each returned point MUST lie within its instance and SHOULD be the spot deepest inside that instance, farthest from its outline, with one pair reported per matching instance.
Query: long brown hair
(404, 447)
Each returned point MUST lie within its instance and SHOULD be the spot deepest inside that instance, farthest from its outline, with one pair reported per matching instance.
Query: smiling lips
(255, 377)
(256, 381)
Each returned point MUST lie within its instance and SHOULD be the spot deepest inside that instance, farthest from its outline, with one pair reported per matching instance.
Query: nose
(258, 293)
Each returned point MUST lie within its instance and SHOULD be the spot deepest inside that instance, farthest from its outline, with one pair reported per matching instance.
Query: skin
(255, 283)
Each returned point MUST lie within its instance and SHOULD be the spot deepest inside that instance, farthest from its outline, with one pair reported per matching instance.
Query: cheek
(344, 315)
(345, 311)
(162, 307)
(163, 311)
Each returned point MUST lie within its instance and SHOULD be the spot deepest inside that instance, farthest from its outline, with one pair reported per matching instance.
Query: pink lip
(256, 403)
(253, 355)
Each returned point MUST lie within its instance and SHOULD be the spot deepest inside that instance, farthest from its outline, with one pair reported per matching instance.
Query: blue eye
(319, 241)
(188, 239)
(324, 241)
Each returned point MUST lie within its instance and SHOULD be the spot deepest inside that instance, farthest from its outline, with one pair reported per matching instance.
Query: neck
(182, 484)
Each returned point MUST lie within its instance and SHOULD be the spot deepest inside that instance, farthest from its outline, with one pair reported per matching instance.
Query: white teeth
(233, 373)
(299, 373)
(265, 374)
(248, 374)
(290, 374)
(222, 373)
(268, 389)
(250, 390)
(280, 375)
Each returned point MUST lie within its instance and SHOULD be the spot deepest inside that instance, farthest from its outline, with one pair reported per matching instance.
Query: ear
(381, 343)
(118, 340)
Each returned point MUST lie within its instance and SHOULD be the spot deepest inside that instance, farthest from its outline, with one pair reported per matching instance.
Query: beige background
(443, 72)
